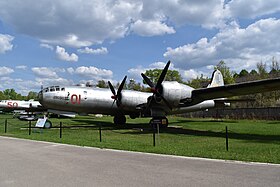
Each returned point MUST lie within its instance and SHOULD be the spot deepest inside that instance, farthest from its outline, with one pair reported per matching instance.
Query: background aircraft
(25, 109)
(11, 105)
(166, 97)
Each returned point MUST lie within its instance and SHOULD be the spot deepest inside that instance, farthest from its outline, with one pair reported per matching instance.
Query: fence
(269, 113)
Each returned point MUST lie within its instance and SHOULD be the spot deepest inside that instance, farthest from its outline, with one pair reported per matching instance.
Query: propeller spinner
(117, 96)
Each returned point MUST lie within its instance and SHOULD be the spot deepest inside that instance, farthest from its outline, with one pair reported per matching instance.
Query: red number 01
(75, 99)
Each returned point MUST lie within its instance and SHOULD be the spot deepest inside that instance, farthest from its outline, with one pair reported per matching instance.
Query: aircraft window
(62, 89)
(46, 89)
(56, 89)
(52, 89)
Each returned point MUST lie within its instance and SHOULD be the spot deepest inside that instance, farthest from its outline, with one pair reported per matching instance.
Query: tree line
(12, 94)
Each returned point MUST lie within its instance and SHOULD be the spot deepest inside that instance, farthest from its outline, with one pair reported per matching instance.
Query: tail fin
(216, 80)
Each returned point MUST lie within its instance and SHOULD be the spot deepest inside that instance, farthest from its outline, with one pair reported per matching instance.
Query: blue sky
(60, 42)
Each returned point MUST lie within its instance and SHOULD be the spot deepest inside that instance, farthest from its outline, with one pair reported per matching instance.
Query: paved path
(31, 163)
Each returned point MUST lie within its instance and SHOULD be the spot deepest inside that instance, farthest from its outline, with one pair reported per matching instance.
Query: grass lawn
(256, 141)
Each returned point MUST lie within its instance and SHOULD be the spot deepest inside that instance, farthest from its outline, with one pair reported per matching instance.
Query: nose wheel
(119, 120)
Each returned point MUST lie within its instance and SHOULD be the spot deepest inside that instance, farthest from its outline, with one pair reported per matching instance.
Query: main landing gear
(119, 120)
(162, 122)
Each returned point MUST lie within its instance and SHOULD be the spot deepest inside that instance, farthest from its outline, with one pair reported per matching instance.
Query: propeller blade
(163, 74)
(121, 86)
(147, 80)
(112, 88)
(113, 103)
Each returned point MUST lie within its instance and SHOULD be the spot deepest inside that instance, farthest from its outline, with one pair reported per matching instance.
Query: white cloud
(100, 51)
(151, 28)
(5, 43)
(240, 48)
(64, 23)
(54, 81)
(210, 14)
(4, 71)
(63, 55)
(135, 73)
(92, 22)
(92, 72)
(252, 8)
(44, 72)
(47, 46)
(22, 67)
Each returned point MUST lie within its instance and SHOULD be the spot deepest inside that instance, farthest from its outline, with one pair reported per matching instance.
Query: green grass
(256, 141)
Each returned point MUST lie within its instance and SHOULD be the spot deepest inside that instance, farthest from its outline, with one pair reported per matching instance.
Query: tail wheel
(120, 120)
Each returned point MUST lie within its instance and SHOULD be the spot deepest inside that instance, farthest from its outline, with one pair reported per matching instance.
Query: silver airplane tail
(216, 80)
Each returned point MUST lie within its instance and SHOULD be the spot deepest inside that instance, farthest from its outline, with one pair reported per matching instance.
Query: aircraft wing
(199, 95)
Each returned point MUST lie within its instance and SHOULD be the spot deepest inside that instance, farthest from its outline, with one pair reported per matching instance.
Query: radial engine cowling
(173, 92)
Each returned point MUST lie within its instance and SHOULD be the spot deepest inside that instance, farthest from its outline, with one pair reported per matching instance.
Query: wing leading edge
(199, 95)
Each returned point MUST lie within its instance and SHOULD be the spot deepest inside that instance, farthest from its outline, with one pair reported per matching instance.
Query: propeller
(117, 96)
(157, 88)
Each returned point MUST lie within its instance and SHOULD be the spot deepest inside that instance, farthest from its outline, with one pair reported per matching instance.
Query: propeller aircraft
(165, 98)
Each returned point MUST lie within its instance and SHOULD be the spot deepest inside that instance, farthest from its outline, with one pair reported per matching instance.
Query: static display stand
(41, 122)
(6, 122)
(29, 128)
(226, 138)
(60, 130)
(100, 135)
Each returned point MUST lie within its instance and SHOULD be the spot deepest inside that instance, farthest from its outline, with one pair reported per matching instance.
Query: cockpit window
(52, 89)
(46, 90)
(57, 89)
(62, 89)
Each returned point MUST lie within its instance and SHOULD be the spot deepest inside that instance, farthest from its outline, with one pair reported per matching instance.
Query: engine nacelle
(173, 92)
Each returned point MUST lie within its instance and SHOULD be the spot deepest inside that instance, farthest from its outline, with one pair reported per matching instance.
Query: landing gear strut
(119, 120)
(161, 121)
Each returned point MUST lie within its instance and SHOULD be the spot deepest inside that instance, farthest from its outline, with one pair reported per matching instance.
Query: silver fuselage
(91, 100)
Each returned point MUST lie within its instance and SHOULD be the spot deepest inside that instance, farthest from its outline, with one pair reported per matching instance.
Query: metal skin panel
(98, 100)
(173, 92)
(200, 106)
(92, 100)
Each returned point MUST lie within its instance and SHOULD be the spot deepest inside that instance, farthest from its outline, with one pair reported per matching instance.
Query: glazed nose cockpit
(42, 94)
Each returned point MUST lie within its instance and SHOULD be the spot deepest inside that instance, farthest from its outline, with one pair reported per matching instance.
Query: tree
(171, 75)
(32, 95)
(102, 84)
(132, 85)
(2, 96)
(199, 82)
(243, 73)
(227, 74)
(262, 70)
(11, 94)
